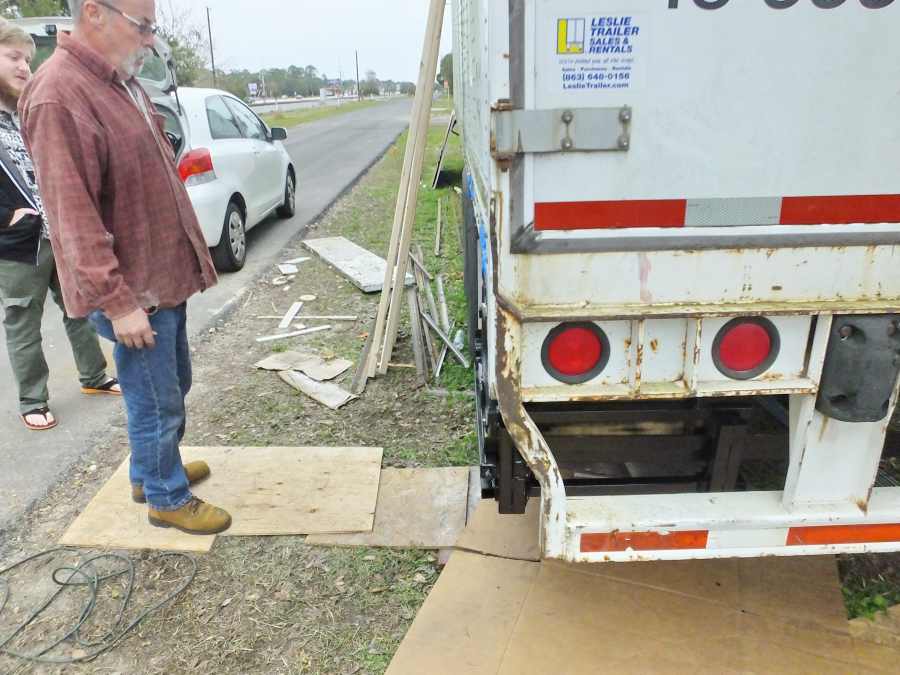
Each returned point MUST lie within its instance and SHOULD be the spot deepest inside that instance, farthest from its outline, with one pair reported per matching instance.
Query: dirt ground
(272, 605)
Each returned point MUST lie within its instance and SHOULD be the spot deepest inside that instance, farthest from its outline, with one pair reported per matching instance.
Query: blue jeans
(155, 383)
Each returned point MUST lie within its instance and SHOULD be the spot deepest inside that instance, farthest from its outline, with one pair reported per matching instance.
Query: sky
(257, 34)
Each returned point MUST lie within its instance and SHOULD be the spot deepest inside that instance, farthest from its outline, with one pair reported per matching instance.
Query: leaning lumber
(386, 320)
(446, 340)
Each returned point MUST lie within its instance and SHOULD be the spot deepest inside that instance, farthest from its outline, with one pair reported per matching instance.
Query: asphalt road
(330, 155)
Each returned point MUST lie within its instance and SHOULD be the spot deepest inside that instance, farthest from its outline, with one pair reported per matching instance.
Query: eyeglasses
(143, 27)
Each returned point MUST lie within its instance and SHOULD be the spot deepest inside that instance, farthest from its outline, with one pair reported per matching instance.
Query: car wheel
(289, 208)
(231, 252)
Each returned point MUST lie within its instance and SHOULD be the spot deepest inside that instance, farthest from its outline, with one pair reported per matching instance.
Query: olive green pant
(23, 291)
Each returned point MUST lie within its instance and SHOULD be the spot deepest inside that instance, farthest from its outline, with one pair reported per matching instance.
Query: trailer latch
(517, 132)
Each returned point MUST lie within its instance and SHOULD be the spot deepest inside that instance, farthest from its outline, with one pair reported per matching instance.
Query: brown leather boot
(195, 517)
(196, 471)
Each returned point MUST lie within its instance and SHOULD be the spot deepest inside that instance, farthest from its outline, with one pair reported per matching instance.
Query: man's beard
(135, 63)
(9, 95)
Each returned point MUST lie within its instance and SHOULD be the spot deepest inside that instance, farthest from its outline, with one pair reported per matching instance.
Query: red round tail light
(575, 352)
(746, 348)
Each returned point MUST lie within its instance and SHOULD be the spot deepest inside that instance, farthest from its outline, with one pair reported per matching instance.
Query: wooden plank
(442, 358)
(361, 377)
(326, 393)
(290, 315)
(421, 267)
(290, 491)
(436, 520)
(415, 323)
(429, 294)
(421, 102)
(447, 341)
(298, 333)
(304, 317)
(267, 491)
(112, 521)
(442, 304)
(421, 285)
(437, 229)
(430, 51)
(363, 268)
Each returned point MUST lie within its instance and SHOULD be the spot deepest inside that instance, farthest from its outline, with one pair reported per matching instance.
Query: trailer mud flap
(861, 368)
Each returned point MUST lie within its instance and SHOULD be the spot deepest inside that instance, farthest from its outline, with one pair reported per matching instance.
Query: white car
(235, 168)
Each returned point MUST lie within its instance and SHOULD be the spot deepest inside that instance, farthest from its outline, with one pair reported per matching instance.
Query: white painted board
(365, 269)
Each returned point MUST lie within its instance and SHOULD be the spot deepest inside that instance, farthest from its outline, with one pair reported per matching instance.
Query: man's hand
(134, 330)
(18, 214)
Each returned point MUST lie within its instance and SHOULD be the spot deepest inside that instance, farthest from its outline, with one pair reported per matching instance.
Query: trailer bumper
(722, 525)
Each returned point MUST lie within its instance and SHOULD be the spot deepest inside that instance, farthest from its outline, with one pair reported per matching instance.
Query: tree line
(190, 52)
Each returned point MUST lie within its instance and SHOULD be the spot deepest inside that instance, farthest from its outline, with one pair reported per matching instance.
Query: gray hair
(11, 34)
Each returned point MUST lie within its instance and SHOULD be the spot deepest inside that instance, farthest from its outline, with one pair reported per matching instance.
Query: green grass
(866, 597)
(294, 118)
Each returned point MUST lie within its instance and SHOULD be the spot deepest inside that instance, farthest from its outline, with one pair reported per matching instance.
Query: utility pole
(358, 88)
(212, 56)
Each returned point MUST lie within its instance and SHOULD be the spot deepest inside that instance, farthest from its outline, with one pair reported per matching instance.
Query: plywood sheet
(112, 520)
(268, 491)
(505, 536)
(417, 508)
(365, 269)
(465, 624)
(285, 491)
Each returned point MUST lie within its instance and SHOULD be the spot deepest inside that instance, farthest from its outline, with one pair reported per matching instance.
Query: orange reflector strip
(609, 215)
(843, 534)
(643, 541)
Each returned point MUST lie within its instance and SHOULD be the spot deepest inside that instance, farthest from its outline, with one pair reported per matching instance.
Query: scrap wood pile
(307, 372)
(431, 329)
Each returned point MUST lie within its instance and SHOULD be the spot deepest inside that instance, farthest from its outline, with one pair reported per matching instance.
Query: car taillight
(196, 167)
(745, 348)
(575, 352)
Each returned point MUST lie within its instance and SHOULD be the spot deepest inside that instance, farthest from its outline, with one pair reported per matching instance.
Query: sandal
(110, 387)
(43, 412)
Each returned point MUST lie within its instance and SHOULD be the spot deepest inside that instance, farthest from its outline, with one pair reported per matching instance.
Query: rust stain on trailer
(654, 345)
(824, 428)
(645, 269)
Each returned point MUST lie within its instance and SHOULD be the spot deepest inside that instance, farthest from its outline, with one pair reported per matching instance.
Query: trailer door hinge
(517, 132)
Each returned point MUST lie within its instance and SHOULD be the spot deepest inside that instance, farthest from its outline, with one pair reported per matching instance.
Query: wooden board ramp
(268, 491)
(417, 508)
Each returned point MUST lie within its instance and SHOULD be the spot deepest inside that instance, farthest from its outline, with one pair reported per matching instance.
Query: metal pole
(358, 88)
(212, 56)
